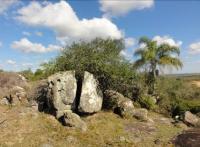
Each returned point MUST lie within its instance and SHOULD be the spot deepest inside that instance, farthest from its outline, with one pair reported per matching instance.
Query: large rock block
(90, 99)
(62, 91)
(191, 119)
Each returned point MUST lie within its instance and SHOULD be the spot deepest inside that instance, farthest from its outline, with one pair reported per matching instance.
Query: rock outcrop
(16, 96)
(65, 96)
(19, 95)
(191, 119)
(62, 92)
(90, 99)
(13, 88)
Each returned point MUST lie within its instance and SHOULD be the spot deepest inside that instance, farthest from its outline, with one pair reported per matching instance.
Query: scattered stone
(71, 140)
(119, 104)
(18, 95)
(4, 101)
(62, 91)
(73, 120)
(91, 99)
(126, 108)
(22, 78)
(189, 138)
(140, 114)
(191, 119)
(157, 141)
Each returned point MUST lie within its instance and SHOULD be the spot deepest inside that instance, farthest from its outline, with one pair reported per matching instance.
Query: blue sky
(32, 32)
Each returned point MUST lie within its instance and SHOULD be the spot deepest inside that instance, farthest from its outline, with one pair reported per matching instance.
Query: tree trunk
(152, 79)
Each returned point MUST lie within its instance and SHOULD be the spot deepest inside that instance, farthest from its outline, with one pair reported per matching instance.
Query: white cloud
(40, 34)
(26, 33)
(194, 48)
(11, 62)
(129, 42)
(128, 52)
(1, 44)
(5, 4)
(119, 8)
(168, 40)
(61, 18)
(27, 46)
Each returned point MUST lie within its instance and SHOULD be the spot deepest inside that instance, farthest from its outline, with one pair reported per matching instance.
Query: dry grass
(197, 83)
(25, 127)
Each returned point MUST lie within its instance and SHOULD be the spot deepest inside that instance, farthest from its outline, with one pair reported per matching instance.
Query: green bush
(33, 76)
(181, 106)
(99, 57)
(146, 101)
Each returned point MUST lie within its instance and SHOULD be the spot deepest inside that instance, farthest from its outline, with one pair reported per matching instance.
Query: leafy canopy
(99, 57)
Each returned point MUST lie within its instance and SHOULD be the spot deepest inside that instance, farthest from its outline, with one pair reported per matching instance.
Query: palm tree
(153, 56)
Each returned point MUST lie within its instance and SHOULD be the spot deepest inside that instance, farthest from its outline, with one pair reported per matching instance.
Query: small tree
(152, 56)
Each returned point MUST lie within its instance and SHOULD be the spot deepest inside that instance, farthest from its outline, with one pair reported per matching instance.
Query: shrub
(177, 96)
(147, 101)
(99, 57)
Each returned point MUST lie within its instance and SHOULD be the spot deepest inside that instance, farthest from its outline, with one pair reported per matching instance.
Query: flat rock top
(189, 138)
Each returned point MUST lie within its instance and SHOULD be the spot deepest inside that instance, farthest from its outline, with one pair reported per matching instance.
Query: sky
(34, 32)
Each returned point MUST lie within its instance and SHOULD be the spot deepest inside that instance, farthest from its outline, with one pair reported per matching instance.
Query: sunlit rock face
(90, 99)
(62, 92)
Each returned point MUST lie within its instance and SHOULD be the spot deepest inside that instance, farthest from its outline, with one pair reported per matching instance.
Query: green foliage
(153, 56)
(39, 74)
(146, 101)
(28, 74)
(1, 70)
(177, 96)
(99, 57)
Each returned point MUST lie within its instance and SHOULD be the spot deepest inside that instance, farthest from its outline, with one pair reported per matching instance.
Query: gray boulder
(191, 119)
(73, 120)
(19, 95)
(90, 99)
(113, 99)
(119, 104)
(4, 101)
(141, 114)
(126, 108)
(62, 92)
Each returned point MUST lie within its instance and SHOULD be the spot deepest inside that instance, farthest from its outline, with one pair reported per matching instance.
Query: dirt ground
(26, 127)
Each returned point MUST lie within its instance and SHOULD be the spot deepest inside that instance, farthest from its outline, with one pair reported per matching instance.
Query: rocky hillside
(66, 111)
(25, 126)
